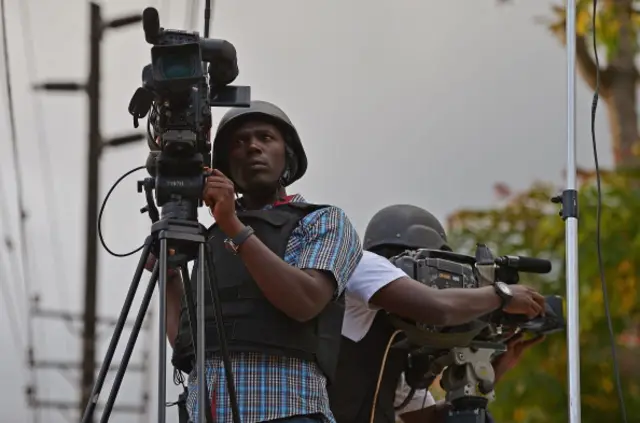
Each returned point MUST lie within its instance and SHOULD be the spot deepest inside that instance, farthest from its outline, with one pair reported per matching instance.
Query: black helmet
(297, 160)
(405, 226)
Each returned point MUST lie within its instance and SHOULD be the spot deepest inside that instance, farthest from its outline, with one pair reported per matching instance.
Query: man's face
(256, 156)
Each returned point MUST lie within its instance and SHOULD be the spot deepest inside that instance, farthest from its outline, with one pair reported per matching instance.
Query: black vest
(351, 395)
(252, 323)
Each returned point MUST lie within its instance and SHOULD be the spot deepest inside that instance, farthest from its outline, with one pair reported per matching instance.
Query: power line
(8, 241)
(165, 7)
(5, 225)
(16, 157)
(188, 14)
(19, 188)
(10, 310)
(46, 169)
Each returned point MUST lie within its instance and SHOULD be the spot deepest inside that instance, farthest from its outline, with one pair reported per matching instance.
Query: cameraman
(281, 265)
(377, 287)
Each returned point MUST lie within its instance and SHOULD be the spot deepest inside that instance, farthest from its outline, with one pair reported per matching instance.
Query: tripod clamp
(469, 383)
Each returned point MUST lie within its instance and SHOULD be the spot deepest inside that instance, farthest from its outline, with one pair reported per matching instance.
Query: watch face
(504, 288)
(230, 246)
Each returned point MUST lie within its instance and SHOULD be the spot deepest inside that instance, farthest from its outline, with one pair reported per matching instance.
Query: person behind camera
(377, 288)
(281, 265)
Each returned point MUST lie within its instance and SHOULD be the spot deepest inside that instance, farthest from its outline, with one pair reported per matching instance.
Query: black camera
(187, 76)
(464, 352)
(445, 269)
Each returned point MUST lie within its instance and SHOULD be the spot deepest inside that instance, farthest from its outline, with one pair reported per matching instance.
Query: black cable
(209, 7)
(104, 203)
(605, 295)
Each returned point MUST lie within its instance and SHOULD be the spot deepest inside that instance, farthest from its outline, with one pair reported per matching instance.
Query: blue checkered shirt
(271, 387)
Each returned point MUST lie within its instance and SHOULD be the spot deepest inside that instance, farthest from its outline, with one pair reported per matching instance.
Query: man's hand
(219, 196)
(525, 301)
(516, 346)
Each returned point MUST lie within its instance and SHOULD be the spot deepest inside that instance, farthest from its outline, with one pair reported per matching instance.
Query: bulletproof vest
(251, 322)
(351, 395)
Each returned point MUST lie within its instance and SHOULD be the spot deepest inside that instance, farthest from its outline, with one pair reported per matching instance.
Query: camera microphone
(151, 24)
(525, 264)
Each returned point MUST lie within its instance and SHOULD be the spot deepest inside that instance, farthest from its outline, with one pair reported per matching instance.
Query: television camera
(188, 75)
(465, 352)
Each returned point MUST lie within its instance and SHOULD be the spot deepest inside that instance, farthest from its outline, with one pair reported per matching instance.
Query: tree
(617, 23)
(528, 224)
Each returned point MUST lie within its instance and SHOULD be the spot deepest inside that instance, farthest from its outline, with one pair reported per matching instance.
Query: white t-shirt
(372, 274)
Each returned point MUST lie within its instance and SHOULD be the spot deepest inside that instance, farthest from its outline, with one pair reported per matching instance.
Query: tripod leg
(162, 347)
(200, 344)
(207, 257)
(191, 313)
(117, 332)
(144, 306)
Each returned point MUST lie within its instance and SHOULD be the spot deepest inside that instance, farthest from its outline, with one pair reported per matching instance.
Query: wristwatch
(233, 244)
(504, 292)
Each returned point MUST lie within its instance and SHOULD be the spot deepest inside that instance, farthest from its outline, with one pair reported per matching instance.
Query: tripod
(188, 237)
(469, 382)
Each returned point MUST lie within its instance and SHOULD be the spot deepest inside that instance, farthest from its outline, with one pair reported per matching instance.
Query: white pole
(571, 222)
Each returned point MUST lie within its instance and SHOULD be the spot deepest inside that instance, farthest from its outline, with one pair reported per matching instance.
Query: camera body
(187, 76)
(430, 346)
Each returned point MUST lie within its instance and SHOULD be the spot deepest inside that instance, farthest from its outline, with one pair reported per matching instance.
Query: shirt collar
(294, 198)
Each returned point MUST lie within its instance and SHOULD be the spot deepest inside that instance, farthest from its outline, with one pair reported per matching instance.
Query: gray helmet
(296, 160)
(405, 226)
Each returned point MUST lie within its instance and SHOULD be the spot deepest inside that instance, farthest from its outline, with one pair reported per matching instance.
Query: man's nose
(253, 145)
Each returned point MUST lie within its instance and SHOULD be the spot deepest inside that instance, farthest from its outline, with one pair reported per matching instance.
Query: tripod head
(469, 381)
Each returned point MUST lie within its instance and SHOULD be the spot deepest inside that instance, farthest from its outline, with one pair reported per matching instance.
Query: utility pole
(91, 241)
(96, 144)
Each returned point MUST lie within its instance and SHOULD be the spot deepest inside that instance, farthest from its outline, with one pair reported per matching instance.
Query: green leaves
(528, 224)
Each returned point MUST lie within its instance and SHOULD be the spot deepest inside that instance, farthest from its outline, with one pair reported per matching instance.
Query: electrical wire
(16, 157)
(19, 191)
(190, 10)
(46, 168)
(10, 311)
(605, 294)
(14, 266)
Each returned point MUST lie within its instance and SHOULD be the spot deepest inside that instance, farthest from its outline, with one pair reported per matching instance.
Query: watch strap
(235, 242)
(243, 235)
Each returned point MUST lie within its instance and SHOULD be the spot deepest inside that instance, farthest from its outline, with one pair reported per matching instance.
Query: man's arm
(379, 283)
(175, 291)
(330, 252)
(443, 307)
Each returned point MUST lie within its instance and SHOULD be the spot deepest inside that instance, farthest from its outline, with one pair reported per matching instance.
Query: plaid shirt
(271, 387)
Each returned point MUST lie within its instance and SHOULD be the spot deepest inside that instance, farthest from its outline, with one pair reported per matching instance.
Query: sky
(423, 102)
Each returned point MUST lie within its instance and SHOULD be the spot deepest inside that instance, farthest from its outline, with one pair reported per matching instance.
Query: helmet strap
(289, 166)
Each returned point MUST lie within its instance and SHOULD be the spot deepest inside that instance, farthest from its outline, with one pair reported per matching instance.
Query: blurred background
(457, 107)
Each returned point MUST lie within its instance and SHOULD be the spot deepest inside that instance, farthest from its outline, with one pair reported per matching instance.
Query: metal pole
(571, 224)
(91, 248)
(162, 327)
